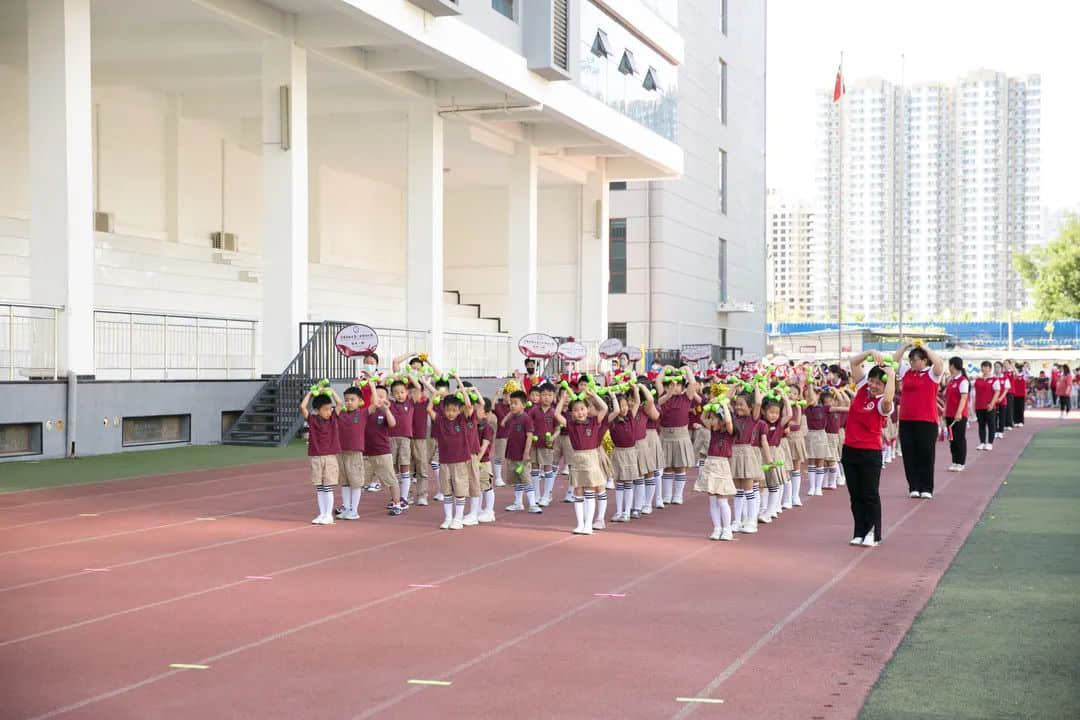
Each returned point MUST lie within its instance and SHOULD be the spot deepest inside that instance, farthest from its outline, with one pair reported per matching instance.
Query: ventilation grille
(224, 241)
(560, 34)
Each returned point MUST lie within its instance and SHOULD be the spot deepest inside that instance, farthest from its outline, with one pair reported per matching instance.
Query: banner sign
(538, 345)
(356, 340)
(572, 351)
(610, 348)
(696, 353)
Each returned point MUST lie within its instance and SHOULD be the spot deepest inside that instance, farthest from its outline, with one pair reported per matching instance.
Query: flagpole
(903, 185)
(840, 222)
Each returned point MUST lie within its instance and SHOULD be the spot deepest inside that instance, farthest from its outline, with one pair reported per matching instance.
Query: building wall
(790, 226)
(674, 228)
(98, 401)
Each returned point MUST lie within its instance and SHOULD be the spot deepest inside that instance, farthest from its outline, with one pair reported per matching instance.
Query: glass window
(722, 270)
(618, 185)
(722, 180)
(617, 256)
(723, 91)
(504, 7)
(617, 330)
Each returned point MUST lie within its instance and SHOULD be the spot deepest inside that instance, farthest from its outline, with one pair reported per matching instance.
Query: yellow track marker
(438, 683)
(711, 701)
(88, 514)
(189, 666)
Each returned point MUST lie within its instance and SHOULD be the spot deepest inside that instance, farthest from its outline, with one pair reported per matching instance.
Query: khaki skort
(715, 478)
(585, 469)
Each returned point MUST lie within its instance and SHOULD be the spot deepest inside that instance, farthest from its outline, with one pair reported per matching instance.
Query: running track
(104, 586)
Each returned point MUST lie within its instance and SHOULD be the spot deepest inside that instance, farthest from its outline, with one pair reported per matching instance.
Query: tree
(1053, 272)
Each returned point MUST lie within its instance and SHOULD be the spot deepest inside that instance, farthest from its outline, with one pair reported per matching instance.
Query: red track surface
(790, 623)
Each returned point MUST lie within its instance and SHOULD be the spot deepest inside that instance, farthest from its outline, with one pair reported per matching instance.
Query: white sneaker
(959, 468)
(659, 505)
(438, 497)
(317, 520)
(750, 527)
(351, 515)
(341, 513)
(765, 519)
(566, 470)
(514, 507)
(327, 519)
(422, 502)
(869, 541)
(469, 521)
(856, 541)
(726, 535)
(952, 468)
(617, 517)
(736, 527)
(926, 495)
(988, 448)
(569, 498)
(913, 494)
(787, 506)
(486, 516)
(456, 524)
(535, 509)
(446, 524)
(676, 501)
(841, 481)
(1019, 424)
(579, 530)
(797, 502)
(716, 532)
(666, 501)
(646, 510)
(599, 525)
(499, 482)
(375, 487)
(544, 501)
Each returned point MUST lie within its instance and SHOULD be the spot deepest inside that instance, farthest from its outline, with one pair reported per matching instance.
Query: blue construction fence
(978, 334)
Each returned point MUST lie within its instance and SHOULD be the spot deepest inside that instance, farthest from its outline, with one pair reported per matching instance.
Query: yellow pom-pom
(608, 444)
(511, 386)
(422, 357)
(718, 391)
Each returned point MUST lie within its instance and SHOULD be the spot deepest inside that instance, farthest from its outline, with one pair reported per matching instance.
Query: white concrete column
(61, 173)
(594, 256)
(521, 243)
(172, 168)
(285, 201)
(424, 225)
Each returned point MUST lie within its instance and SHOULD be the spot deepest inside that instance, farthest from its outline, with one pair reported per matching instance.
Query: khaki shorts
(324, 469)
(512, 478)
(351, 467)
(421, 458)
(499, 450)
(542, 456)
(483, 473)
(401, 451)
(380, 468)
(459, 479)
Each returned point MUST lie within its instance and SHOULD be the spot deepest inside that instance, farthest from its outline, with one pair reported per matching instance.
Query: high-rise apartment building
(939, 189)
(791, 262)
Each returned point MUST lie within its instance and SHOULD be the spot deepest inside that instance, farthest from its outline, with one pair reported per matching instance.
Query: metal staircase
(272, 418)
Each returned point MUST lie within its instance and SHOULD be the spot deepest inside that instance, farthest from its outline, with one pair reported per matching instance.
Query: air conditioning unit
(438, 7)
(224, 241)
(103, 222)
(545, 27)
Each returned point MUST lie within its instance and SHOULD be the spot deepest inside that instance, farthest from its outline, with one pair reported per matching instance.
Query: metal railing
(477, 354)
(392, 342)
(29, 338)
(153, 346)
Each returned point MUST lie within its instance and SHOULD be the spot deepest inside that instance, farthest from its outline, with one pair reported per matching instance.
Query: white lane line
(740, 661)
(298, 628)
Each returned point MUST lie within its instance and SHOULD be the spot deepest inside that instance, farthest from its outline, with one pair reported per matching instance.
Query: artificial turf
(27, 475)
(1000, 637)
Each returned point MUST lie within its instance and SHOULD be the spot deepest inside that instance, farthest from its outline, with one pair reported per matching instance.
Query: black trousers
(1065, 401)
(1003, 412)
(863, 471)
(986, 426)
(1018, 409)
(917, 442)
(958, 444)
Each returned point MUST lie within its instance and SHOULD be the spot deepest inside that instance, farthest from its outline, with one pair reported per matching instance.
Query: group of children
(753, 435)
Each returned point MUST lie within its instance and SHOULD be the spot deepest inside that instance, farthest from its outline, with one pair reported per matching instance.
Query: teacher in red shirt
(920, 378)
(861, 455)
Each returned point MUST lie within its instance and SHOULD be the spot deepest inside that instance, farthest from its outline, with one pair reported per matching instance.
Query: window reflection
(626, 74)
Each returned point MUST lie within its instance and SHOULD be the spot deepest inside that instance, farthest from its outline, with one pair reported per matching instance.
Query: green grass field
(1000, 637)
(51, 473)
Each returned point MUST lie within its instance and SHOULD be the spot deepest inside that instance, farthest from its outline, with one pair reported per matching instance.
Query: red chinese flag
(838, 88)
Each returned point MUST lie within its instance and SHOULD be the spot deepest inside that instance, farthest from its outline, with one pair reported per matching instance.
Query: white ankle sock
(489, 500)
(474, 506)
(403, 480)
(346, 497)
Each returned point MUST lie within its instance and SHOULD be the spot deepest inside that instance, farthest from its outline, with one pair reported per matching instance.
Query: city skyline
(805, 41)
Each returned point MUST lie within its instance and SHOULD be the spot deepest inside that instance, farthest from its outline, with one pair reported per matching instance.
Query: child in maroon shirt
(519, 440)
(324, 444)
(352, 422)
(585, 429)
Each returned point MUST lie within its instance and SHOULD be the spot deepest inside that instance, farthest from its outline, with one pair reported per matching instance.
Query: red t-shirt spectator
(865, 420)
(920, 389)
